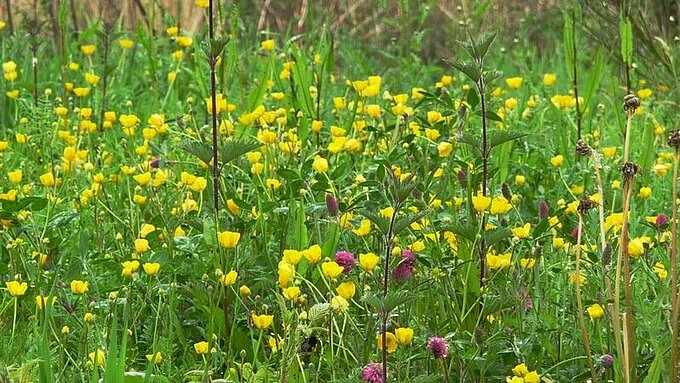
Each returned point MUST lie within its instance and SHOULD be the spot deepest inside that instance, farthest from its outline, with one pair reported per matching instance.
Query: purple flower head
(661, 220)
(346, 260)
(543, 210)
(438, 347)
(525, 296)
(574, 233)
(404, 269)
(331, 205)
(607, 361)
(372, 373)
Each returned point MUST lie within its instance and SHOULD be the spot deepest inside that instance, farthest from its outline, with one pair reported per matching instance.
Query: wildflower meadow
(339, 191)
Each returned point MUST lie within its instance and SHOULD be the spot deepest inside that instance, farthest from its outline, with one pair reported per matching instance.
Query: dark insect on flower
(309, 344)
(583, 149)
(630, 103)
(586, 204)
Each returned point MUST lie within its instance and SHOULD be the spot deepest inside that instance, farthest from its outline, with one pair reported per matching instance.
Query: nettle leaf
(382, 223)
(28, 203)
(232, 150)
(494, 236)
(469, 139)
(318, 312)
(468, 232)
(404, 222)
(484, 43)
(395, 299)
(201, 150)
(499, 137)
(493, 116)
(469, 69)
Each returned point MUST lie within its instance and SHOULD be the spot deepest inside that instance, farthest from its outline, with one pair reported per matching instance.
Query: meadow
(234, 204)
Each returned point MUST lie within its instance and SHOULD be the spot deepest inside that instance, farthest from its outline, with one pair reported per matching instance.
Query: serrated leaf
(318, 312)
(473, 141)
(484, 42)
(494, 236)
(382, 223)
(472, 98)
(201, 150)
(499, 137)
(468, 232)
(469, 69)
(234, 149)
(404, 222)
(493, 116)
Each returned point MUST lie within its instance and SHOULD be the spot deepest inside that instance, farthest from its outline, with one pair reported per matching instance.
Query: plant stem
(213, 92)
(674, 271)
(386, 273)
(579, 300)
(615, 315)
(485, 160)
(578, 109)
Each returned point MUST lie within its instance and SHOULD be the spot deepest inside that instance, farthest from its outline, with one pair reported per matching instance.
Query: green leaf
(469, 69)
(494, 236)
(209, 232)
(484, 42)
(499, 137)
(234, 149)
(493, 116)
(626, 36)
(300, 239)
(468, 232)
(201, 150)
(381, 222)
(28, 203)
(654, 374)
(473, 141)
(472, 98)
(593, 83)
(403, 222)
(568, 38)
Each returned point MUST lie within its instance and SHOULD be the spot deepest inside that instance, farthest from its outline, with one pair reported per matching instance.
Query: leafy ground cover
(231, 206)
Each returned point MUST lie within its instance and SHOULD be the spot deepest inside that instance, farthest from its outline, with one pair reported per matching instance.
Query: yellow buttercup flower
(522, 232)
(346, 290)
(151, 268)
(404, 335)
(312, 254)
(331, 269)
(262, 322)
(79, 287)
(557, 160)
(201, 348)
(228, 239)
(97, 357)
(595, 311)
(514, 82)
(480, 202)
(390, 342)
(156, 358)
(229, 278)
(16, 289)
(549, 79)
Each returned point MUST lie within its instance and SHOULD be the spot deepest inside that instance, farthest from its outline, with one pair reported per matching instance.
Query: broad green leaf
(404, 221)
(499, 137)
(234, 149)
(626, 36)
(201, 150)
(381, 222)
(594, 78)
(568, 39)
(469, 69)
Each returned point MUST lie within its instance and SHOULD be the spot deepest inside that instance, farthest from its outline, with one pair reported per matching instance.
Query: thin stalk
(579, 301)
(615, 314)
(575, 86)
(213, 92)
(386, 273)
(674, 271)
(10, 21)
(485, 161)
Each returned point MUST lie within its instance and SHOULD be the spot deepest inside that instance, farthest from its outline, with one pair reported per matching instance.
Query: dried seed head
(629, 170)
(630, 103)
(506, 191)
(586, 204)
(583, 149)
(674, 139)
(462, 178)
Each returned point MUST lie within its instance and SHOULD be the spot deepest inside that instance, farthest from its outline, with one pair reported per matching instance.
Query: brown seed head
(629, 170)
(674, 139)
(630, 103)
(583, 149)
(586, 204)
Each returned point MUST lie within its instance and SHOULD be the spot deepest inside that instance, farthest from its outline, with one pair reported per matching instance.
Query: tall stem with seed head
(674, 141)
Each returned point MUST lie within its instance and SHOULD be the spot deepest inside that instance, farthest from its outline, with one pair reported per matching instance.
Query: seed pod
(607, 255)
(629, 170)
